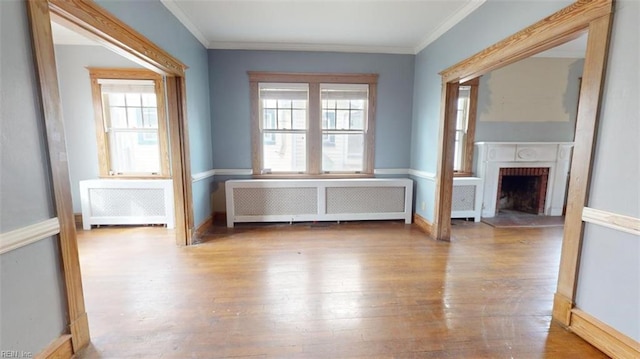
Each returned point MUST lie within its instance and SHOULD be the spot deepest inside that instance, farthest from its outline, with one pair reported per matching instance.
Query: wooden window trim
(314, 142)
(103, 144)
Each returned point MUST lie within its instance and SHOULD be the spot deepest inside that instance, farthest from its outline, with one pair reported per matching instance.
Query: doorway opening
(569, 23)
(93, 21)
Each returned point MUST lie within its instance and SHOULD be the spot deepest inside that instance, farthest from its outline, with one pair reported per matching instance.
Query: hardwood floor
(328, 291)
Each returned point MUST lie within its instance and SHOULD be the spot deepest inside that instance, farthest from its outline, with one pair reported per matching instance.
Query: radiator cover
(318, 200)
(107, 201)
(466, 198)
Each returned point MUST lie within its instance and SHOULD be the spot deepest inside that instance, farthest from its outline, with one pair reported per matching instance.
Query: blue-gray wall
(77, 106)
(230, 98)
(154, 21)
(541, 131)
(490, 23)
(609, 279)
(32, 296)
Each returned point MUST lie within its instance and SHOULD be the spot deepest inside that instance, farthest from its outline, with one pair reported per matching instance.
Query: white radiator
(122, 201)
(466, 198)
(318, 200)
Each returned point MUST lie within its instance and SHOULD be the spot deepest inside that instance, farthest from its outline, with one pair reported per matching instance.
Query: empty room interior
(320, 179)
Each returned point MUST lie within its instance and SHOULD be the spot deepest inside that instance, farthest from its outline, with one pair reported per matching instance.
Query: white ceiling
(380, 26)
(64, 36)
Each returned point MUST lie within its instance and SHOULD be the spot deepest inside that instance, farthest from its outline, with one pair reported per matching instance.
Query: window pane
(300, 104)
(342, 119)
(118, 117)
(343, 152)
(459, 147)
(461, 102)
(343, 104)
(329, 103)
(284, 103)
(357, 104)
(149, 100)
(150, 117)
(299, 119)
(269, 117)
(134, 117)
(284, 152)
(133, 99)
(116, 99)
(328, 120)
(357, 120)
(284, 119)
(134, 152)
(270, 103)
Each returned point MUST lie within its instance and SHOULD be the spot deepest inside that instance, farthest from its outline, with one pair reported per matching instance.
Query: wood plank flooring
(369, 290)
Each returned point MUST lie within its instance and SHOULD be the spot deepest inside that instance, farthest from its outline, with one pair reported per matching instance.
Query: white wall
(609, 279)
(77, 107)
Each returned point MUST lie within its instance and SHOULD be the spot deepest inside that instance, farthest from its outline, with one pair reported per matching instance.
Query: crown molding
(279, 46)
(450, 22)
(174, 8)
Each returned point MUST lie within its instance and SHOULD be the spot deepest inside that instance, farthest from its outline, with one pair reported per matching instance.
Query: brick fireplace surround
(542, 177)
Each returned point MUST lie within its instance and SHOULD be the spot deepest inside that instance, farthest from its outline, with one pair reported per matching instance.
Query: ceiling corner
(174, 8)
(448, 23)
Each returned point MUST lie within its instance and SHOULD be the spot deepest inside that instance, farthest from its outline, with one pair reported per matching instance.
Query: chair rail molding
(611, 220)
(30, 234)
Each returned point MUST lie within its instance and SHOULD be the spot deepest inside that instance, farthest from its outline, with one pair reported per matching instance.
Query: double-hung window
(284, 126)
(465, 127)
(344, 115)
(130, 123)
(462, 123)
(313, 124)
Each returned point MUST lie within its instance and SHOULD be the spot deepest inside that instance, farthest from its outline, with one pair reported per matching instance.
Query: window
(312, 124)
(130, 123)
(465, 128)
(283, 108)
(344, 113)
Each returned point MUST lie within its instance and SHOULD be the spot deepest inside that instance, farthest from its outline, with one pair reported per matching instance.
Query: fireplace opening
(522, 189)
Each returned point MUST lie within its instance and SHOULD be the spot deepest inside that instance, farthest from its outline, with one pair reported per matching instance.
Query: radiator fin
(463, 198)
(365, 199)
(123, 202)
(275, 201)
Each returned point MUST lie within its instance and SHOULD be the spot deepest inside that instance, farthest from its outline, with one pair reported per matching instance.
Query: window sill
(137, 177)
(462, 174)
(314, 176)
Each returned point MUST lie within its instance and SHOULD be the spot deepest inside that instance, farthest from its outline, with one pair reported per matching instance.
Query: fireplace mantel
(495, 155)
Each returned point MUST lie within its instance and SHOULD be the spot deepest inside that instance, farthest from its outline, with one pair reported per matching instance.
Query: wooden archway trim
(91, 19)
(558, 28)
(593, 16)
(94, 21)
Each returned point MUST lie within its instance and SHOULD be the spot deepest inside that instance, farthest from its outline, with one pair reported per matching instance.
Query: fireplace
(547, 162)
(522, 189)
